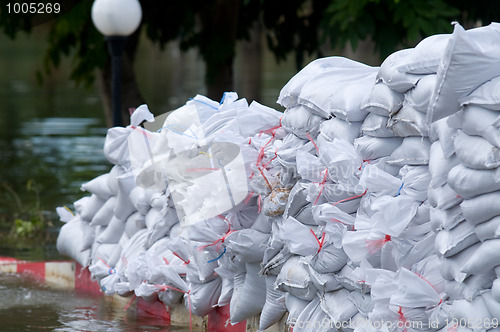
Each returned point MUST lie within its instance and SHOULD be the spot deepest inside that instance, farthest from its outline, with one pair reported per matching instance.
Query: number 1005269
(33, 8)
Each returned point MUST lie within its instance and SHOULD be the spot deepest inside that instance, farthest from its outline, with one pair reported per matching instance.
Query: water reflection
(29, 306)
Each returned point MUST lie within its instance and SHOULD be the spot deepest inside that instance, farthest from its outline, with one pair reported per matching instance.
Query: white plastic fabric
(469, 182)
(340, 129)
(390, 75)
(382, 100)
(485, 95)
(440, 165)
(425, 56)
(376, 125)
(482, 122)
(476, 152)
(408, 122)
(412, 151)
(469, 60)
(484, 259)
(374, 147)
(451, 242)
(419, 97)
(481, 208)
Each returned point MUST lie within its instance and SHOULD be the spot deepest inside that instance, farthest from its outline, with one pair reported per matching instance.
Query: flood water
(51, 140)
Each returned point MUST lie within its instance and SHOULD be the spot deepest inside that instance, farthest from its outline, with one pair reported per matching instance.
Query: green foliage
(389, 23)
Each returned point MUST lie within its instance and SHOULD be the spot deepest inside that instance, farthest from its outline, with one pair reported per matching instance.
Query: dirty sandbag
(376, 147)
(376, 125)
(274, 204)
(75, 239)
(488, 230)
(248, 299)
(382, 100)
(324, 282)
(440, 165)
(295, 279)
(99, 186)
(419, 97)
(338, 306)
(476, 152)
(301, 121)
(481, 208)
(445, 218)
(453, 241)
(340, 129)
(412, 151)
(105, 213)
(469, 60)
(312, 318)
(443, 197)
(484, 259)
(275, 306)
(408, 122)
(297, 202)
(469, 182)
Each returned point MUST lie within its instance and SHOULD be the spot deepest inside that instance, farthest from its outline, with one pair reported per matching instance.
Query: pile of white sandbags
(369, 204)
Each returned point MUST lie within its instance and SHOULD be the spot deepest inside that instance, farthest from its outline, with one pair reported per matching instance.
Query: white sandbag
(481, 208)
(443, 197)
(488, 229)
(202, 297)
(329, 259)
(64, 213)
(469, 60)
(346, 88)
(393, 214)
(338, 306)
(324, 282)
(274, 307)
(476, 309)
(469, 182)
(347, 278)
(247, 245)
(88, 207)
(140, 198)
(116, 145)
(294, 279)
(482, 122)
(419, 97)
(74, 240)
(255, 119)
(486, 95)
(112, 180)
(124, 207)
(249, 299)
(382, 100)
(484, 259)
(135, 223)
(451, 267)
(408, 122)
(476, 284)
(340, 129)
(301, 121)
(440, 165)
(390, 75)
(113, 231)
(445, 218)
(426, 55)
(494, 308)
(291, 90)
(495, 290)
(453, 241)
(294, 306)
(376, 125)
(442, 131)
(412, 151)
(476, 152)
(312, 318)
(105, 213)
(416, 180)
(98, 186)
(374, 147)
(413, 291)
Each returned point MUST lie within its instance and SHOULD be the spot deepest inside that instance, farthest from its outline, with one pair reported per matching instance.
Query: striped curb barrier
(68, 275)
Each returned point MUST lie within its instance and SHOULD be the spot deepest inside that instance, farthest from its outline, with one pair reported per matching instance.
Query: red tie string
(350, 198)
(182, 259)
(312, 141)
(322, 185)
(375, 245)
(320, 242)
(402, 318)
(259, 203)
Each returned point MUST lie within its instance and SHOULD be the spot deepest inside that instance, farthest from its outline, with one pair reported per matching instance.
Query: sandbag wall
(372, 202)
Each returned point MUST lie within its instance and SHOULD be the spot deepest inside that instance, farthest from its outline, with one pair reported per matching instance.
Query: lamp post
(116, 19)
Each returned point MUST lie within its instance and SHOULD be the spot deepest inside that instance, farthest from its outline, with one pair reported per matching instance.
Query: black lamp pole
(116, 46)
